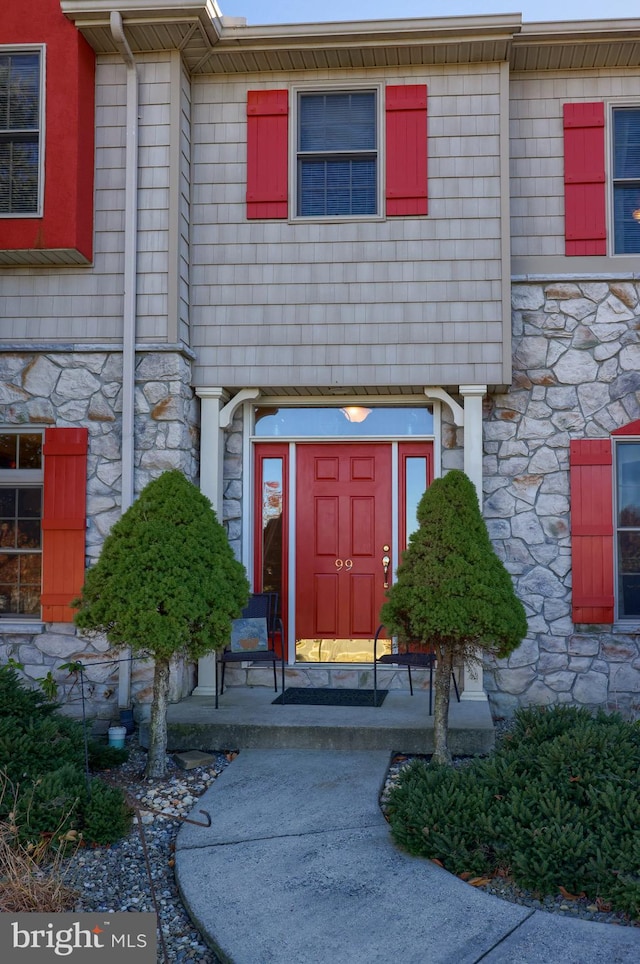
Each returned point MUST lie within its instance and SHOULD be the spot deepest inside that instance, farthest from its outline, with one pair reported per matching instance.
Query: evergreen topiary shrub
(452, 591)
(166, 584)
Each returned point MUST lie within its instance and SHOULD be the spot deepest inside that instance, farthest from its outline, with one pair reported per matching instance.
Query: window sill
(20, 627)
(629, 626)
(336, 218)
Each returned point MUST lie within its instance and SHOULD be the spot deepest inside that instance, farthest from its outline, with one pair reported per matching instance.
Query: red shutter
(592, 530)
(585, 223)
(267, 153)
(406, 145)
(64, 520)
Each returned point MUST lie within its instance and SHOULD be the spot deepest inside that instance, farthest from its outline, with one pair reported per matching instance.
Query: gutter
(130, 297)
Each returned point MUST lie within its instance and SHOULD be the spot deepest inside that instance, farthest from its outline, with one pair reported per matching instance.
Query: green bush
(42, 759)
(104, 757)
(33, 745)
(50, 804)
(17, 700)
(105, 815)
(555, 806)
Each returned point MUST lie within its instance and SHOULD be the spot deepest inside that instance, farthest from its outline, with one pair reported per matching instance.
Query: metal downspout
(130, 295)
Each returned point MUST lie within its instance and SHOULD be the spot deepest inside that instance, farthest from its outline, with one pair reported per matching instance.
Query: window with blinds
(20, 132)
(337, 154)
(626, 180)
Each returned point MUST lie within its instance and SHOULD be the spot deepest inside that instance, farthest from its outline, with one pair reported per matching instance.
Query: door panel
(326, 604)
(364, 615)
(363, 515)
(343, 512)
(327, 516)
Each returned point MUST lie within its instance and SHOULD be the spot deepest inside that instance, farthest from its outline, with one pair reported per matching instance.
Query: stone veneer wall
(69, 389)
(576, 375)
(232, 483)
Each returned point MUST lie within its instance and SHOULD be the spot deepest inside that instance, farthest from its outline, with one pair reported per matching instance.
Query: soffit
(212, 43)
(585, 45)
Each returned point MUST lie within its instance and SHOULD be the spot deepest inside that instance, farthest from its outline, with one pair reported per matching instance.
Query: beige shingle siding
(392, 301)
(85, 304)
(537, 165)
(154, 156)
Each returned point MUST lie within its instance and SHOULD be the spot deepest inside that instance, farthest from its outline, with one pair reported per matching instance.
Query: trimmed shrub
(103, 757)
(167, 583)
(555, 806)
(452, 591)
(105, 815)
(50, 804)
(42, 758)
(17, 700)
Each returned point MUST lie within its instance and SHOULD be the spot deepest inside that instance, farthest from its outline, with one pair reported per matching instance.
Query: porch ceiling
(214, 44)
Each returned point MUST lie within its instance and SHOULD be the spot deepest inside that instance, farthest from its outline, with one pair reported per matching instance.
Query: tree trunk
(156, 759)
(444, 666)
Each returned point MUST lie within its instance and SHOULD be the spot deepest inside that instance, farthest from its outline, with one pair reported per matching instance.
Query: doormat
(308, 696)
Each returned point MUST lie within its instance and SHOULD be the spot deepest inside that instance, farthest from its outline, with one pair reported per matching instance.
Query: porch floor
(246, 718)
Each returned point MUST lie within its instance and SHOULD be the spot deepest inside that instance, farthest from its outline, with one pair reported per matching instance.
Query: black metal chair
(254, 636)
(418, 658)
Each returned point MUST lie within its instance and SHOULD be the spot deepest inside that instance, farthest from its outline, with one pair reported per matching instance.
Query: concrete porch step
(246, 718)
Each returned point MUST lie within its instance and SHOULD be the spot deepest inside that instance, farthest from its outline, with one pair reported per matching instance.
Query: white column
(211, 466)
(473, 688)
(473, 395)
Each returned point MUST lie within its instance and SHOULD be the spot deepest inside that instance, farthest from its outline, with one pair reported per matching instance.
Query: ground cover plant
(555, 807)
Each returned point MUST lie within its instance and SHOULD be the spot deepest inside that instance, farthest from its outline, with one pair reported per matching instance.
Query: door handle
(385, 567)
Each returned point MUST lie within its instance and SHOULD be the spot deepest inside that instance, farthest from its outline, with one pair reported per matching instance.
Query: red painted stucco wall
(67, 219)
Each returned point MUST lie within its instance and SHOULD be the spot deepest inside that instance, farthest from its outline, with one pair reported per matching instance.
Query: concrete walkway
(298, 867)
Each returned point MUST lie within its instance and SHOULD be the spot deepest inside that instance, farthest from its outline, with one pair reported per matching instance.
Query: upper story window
(20, 132)
(337, 154)
(626, 180)
(20, 523)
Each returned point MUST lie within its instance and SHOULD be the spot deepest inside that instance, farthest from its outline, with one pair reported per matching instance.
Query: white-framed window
(626, 179)
(21, 138)
(21, 487)
(337, 153)
(627, 527)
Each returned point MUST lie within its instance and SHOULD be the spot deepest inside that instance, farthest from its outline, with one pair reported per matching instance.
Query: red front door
(343, 530)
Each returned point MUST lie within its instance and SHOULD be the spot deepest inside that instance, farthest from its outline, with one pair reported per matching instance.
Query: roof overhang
(213, 43)
(577, 45)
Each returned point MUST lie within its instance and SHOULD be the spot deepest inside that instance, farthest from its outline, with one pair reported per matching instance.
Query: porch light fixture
(636, 214)
(355, 413)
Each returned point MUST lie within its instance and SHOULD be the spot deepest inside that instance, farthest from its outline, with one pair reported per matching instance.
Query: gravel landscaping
(116, 878)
